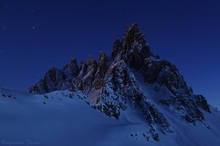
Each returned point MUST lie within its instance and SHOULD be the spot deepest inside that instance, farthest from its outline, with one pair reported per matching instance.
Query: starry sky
(38, 34)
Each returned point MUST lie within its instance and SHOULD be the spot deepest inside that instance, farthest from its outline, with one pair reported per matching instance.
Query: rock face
(132, 78)
(56, 79)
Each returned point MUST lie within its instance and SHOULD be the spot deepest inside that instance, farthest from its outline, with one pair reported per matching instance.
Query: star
(33, 27)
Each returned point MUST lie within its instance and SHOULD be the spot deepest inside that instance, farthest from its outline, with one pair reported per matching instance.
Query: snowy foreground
(66, 119)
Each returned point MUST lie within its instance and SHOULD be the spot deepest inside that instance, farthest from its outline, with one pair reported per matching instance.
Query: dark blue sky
(38, 34)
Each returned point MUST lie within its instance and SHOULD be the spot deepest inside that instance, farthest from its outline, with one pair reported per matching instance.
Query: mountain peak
(134, 39)
(132, 27)
(133, 48)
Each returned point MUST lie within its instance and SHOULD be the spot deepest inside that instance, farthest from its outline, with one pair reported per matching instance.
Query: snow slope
(66, 118)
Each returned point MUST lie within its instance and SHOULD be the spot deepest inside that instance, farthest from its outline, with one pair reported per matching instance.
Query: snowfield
(63, 118)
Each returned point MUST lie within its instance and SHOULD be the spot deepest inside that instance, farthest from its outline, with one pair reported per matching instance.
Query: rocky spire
(103, 65)
(71, 70)
(52, 81)
(87, 74)
(91, 64)
(134, 40)
(133, 48)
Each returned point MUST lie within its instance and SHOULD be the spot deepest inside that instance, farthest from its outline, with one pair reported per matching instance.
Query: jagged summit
(131, 79)
(133, 47)
(133, 39)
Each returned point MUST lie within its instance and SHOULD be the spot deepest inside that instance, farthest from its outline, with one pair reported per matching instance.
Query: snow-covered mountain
(145, 98)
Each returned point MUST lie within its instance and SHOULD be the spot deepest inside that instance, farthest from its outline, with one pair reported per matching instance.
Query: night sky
(38, 34)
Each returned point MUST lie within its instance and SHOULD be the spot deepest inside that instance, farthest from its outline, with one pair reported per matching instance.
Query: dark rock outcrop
(102, 67)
